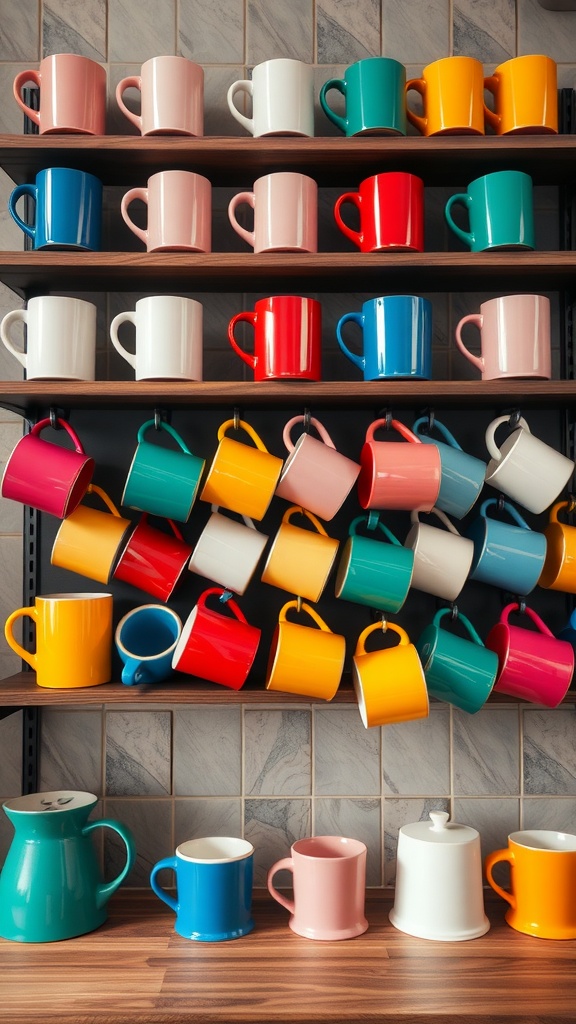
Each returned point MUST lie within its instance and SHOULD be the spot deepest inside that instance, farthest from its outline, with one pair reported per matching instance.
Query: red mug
(46, 476)
(533, 665)
(391, 209)
(152, 560)
(287, 338)
(214, 646)
(398, 475)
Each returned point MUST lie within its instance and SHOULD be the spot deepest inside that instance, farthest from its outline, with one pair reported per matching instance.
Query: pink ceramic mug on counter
(72, 95)
(285, 206)
(398, 475)
(315, 475)
(533, 665)
(179, 212)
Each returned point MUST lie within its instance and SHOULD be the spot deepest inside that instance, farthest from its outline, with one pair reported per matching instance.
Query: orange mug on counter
(303, 659)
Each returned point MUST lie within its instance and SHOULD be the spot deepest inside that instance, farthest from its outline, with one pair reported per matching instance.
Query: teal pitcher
(50, 886)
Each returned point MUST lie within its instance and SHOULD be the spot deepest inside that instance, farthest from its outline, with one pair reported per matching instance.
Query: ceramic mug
(152, 560)
(462, 475)
(47, 476)
(533, 664)
(514, 337)
(459, 670)
(506, 555)
(282, 95)
(389, 683)
(300, 559)
(146, 639)
(500, 209)
(452, 91)
(178, 322)
(329, 887)
(171, 97)
(162, 480)
(285, 206)
(525, 468)
(373, 91)
(227, 552)
(303, 659)
(215, 646)
(391, 211)
(73, 639)
(559, 572)
(213, 888)
(542, 892)
(72, 95)
(398, 474)
(88, 540)
(60, 338)
(525, 91)
(315, 475)
(67, 209)
(287, 338)
(179, 205)
(371, 571)
(242, 478)
(396, 337)
(442, 558)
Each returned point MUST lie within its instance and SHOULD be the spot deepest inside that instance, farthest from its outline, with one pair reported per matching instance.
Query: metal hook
(521, 606)
(384, 623)
(571, 504)
(306, 421)
(54, 419)
(225, 596)
(431, 420)
(236, 417)
(298, 604)
(514, 418)
(453, 611)
(157, 419)
(501, 502)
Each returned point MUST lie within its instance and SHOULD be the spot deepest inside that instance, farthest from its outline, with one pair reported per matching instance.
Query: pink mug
(179, 212)
(315, 475)
(215, 646)
(396, 475)
(72, 95)
(533, 666)
(44, 475)
(152, 560)
(287, 338)
(285, 206)
(514, 337)
(172, 97)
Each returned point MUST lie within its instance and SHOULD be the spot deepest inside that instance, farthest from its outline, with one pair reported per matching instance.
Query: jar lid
(440, 830)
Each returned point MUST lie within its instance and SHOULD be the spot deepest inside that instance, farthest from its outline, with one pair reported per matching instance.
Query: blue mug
(397, 337)
(68, 209)
(462, 475)
(507, 555)
(213, 888)
(146, 639)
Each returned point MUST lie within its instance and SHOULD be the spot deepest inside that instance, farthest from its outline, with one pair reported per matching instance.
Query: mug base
(66, 130)
(379, 130)
(236, 933)
(540, 129)
(456, 131)
(171, 131)
(330, 935)
(527, 928)
(65, 247)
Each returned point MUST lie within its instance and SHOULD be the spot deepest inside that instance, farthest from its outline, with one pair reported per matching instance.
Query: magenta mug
(533, 665)
(152, 560)
(396, 474)
(287, 338)
(315, 475)
(46, 476)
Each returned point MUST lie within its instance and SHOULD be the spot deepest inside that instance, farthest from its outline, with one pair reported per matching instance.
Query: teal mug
(373, 572)
(161, 480)
(506, 555)
(373, 91)
(458, 670)
(500, 209)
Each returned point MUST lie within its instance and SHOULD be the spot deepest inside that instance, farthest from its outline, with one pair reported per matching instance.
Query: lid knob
(439, 820)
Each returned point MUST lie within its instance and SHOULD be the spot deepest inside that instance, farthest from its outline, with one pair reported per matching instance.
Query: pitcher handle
(286, 864)
(170, 864)
(495, 858)
(105, 891)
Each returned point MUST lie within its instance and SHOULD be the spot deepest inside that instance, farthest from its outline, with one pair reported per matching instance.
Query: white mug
(60, 338)
(227, 552)
(285, 208)
(442, 558)
(172, 97)
(282, 93)
(525, 468)
(168, 338)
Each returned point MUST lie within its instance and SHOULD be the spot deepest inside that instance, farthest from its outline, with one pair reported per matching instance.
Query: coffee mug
(459, 670)
(67, 209)
(373, 91)
(178, 322)
(282, 95)
(162, 480)
(47, 476)
(227, 552)
(500, 212)
(568, 632)
(462, 475)
(172, 97)
(287, 338)
(315, 475)
(329, 887)
(146, 639)
(300, 559)
(525, 468)
(397, 337)
(442, 558)
(241, 478)
(73, 639)
(452, 91)
(525, 91)
(391, 211)
(72, 95)
(542, 892)
(533, 664)
(215, 646)
(559, 572)
(373, 571)
(506, 555)
(153, 560)
(285, 206)
(88, 540)
(213, 888)
(179, 205)
(396, 474)
(303, 659)
(60, 338)
(389, 683)
(514, 337)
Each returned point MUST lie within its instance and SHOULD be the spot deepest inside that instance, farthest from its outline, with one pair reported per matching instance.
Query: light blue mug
(507, 555)
(500, 212)
(163, 481)
(373, 91)
(371, 571)
(397, 337)
(462, 475)
(146, 638)
(213, 888)
(68, 209)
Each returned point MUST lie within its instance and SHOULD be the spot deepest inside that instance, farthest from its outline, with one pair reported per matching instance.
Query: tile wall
(277, 774)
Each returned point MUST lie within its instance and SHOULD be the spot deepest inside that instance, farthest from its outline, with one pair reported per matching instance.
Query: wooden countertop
(136, 970)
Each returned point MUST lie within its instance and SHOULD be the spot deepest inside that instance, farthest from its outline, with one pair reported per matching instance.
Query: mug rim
(535, 833)
(243, 845)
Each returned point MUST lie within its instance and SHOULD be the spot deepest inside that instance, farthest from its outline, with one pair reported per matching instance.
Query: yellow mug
(88, 541)
(389, 683)
(542, 893)
(525, 91)
(73, 639)
(241, 478)
(559, 570)
(305, 660)
(452, 91)
(300, 559)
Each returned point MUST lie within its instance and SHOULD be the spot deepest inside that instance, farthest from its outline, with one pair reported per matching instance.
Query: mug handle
(40, 426)
(414, 518)
(376, 524)
(286, 864)
(134, 673)
(494, 120)
(94, 489)
(245, 86)
(540, 625)
(304, 606)
(463, 199)
(472, 318)
(495, 858)
(418, 85)
(121, 318)
(555, 510)
(404, 431)
(309, 515)
(357, 237)
(361, 645)
(132, 82)
(491, 430)
(21, 79)
(230, 602)
(17, 315)
(441, 429)
(216, 508)
(340, 86)
(357, 318)
(131, 195)
(461, 618)
(27, 656)
(245, 426)
(507, 507)
(169, 864)
(105, 890)
(163, 426)
(250, 199)
(26, 189)
(301, 419)
(249, 318)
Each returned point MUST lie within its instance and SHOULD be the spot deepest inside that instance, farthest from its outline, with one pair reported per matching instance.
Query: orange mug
(89, 540)
(389, 683)
(525, 91)
(559, 570)
(300, 560)
(241, 478)
(303, 659)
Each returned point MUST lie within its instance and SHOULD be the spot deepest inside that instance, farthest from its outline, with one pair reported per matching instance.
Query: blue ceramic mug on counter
(373, 91)
(371, 571)
(146, 638)
(507, 555)
(68, 209)
(397, 337)
(462, 475)
(500, 210)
